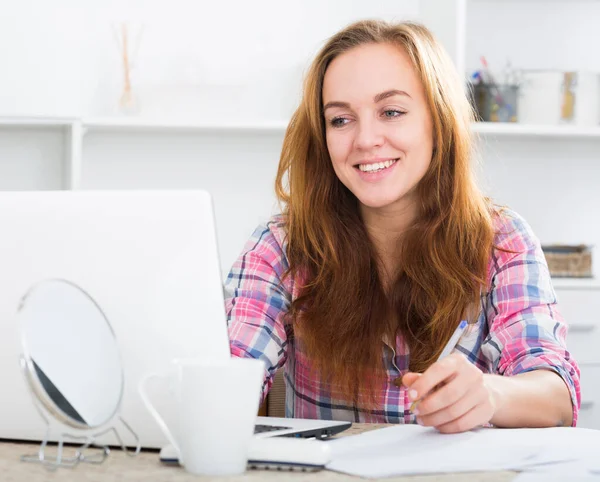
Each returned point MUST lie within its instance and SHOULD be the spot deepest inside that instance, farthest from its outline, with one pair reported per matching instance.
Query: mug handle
(159, 420)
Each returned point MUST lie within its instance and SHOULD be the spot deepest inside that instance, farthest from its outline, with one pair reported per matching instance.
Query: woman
(385, 244)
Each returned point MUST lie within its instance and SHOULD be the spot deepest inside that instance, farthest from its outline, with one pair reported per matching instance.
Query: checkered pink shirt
(519, 328)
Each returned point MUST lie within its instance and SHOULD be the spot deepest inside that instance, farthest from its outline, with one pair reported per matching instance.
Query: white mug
(217, 405)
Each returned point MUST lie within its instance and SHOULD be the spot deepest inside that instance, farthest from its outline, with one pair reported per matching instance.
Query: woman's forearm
(538, 398)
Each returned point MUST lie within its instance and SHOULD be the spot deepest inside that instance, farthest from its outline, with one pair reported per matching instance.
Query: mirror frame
(33, 380)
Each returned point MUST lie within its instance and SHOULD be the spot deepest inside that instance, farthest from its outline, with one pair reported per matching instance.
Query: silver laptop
(150, 261)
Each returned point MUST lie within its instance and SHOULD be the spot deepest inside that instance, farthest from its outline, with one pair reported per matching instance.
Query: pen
(450, 346)
(492, 83)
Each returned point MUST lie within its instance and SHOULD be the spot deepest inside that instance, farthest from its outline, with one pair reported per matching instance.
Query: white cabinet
(589, 414)
(579, 303)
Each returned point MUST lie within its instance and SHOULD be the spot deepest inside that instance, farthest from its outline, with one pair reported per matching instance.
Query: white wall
(32, 158)
(42, 45)
(195, 57)
(543, 34)
(552, 183)
(237, 169)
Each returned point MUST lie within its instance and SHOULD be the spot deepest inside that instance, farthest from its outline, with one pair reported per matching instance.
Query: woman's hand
(451, 395)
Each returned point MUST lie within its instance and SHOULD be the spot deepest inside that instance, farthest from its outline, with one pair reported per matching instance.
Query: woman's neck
(386, 227)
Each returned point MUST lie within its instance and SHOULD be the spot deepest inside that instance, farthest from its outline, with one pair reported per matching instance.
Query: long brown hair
(343, 312)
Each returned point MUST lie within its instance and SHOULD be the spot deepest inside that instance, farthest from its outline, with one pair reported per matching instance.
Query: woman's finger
(477, 416)
(450, 393)
(437, 373)
(454, 411)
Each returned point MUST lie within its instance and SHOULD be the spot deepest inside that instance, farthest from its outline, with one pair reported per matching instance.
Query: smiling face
(378, 125)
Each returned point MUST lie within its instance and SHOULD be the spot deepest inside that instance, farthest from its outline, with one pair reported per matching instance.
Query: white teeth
(377, 166)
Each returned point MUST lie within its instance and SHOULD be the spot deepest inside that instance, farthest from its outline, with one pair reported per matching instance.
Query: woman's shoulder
(515, 246)
(269, 239)
(273, 230)
(512, 232)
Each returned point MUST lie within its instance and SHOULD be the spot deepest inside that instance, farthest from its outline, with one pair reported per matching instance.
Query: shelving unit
(140, 124)
(576, 283)
(523, 130)
(36, 121)
(160, 125)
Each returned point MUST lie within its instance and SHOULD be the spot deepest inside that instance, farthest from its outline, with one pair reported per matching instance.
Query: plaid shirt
(519, 328)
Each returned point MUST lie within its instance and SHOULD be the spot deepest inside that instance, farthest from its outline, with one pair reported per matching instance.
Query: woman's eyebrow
(378, 98)
(389, 93)
(335, 103)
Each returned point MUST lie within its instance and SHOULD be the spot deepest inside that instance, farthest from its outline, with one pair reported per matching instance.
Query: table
(146, 466)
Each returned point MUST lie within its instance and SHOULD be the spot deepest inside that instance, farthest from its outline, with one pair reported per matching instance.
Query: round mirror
(71, 355)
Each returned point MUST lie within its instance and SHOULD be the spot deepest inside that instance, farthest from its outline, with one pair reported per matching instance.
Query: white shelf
(576, 283)
(523, 130)
(140, 125)
(36, 121)
(137, 124)
(536, 1)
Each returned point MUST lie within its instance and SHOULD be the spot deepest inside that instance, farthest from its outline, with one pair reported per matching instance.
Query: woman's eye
(393, 113)
(338, 121)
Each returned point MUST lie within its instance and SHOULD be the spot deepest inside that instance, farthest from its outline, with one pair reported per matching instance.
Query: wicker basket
(569, 261)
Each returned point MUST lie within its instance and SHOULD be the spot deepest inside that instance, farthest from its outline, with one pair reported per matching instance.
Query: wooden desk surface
(146, 466)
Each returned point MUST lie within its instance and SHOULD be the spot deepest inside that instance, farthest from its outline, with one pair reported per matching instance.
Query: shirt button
(398, 381)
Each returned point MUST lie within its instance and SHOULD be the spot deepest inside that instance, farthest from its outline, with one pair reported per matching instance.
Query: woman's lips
(374, 176)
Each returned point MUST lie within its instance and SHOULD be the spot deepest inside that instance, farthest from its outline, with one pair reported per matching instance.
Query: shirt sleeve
(256, 302)
(527, 332)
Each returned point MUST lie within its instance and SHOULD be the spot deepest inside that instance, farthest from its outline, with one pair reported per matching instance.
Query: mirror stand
(81, 455)
(60, 460)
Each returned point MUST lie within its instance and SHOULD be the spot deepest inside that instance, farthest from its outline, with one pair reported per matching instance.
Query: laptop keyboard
(268, 428)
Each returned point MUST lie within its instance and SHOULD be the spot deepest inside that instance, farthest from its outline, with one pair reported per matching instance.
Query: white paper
(546, 477)
(557, 446)
(412, 449)
(567, 470)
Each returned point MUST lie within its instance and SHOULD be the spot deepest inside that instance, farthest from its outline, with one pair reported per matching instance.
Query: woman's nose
(368, 135)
